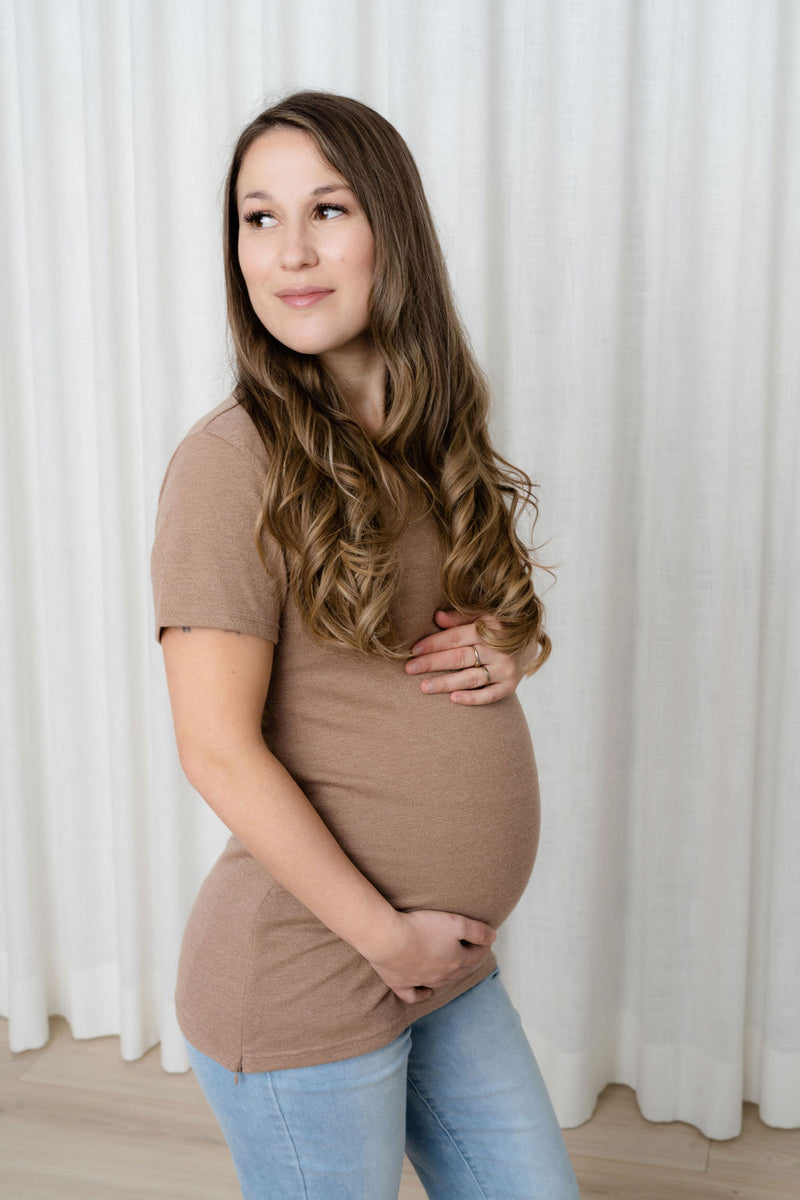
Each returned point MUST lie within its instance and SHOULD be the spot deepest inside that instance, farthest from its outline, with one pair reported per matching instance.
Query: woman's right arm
(218, 684)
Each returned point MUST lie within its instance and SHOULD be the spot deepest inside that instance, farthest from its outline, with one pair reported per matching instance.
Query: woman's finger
(412, 995)
(445, 639)
(474, 678)
(460, 657)
(459, 631)
(484, 695)
(449, 618)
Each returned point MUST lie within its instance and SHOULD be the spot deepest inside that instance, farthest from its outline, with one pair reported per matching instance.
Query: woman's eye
(257, 219)
(335, 207)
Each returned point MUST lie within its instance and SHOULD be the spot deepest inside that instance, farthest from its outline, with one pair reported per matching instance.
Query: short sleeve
(204, 565)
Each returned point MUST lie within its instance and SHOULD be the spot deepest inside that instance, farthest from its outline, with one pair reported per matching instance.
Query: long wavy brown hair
(330, 484)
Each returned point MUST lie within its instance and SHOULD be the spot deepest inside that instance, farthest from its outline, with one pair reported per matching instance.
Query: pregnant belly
(442, 811)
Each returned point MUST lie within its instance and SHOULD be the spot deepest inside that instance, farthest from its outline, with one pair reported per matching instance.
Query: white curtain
(616, 185)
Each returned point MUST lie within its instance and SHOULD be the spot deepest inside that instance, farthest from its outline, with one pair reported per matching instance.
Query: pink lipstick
(303, 297)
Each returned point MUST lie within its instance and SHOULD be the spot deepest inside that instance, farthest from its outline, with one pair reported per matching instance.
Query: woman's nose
(297, 248)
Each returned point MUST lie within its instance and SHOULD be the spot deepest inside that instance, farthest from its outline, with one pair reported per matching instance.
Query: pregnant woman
(345, 610)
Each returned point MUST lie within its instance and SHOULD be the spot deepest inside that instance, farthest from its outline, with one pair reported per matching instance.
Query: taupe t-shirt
(436, 803)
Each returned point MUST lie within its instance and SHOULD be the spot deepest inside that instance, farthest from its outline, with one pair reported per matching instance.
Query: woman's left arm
(475, 673)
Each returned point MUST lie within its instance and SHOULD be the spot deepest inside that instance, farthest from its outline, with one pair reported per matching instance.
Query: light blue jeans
(459, 1091)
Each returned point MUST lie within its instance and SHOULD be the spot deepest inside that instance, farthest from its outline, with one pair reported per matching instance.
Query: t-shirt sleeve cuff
(245, 623)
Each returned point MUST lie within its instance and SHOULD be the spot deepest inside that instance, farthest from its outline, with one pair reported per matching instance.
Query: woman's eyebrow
(319, 191)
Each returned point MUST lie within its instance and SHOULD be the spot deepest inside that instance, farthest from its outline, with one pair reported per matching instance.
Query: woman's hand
(452, 651)
(430, 948)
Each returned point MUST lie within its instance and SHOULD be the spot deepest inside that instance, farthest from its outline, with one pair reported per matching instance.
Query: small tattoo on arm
(188, 629)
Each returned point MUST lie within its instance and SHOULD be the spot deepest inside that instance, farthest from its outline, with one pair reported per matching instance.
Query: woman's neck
(363, 379)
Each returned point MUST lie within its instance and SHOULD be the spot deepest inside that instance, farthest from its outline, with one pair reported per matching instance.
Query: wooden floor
(77, 1121)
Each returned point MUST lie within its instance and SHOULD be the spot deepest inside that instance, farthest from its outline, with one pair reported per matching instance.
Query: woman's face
(300, 226)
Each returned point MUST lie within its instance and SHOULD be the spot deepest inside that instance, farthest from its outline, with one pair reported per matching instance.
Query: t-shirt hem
(227, 621)
(316, 1055)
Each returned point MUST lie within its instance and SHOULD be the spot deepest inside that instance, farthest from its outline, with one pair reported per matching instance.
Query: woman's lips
(306, 300)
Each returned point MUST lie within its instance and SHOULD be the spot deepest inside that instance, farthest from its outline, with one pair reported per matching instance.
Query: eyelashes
(254, 218)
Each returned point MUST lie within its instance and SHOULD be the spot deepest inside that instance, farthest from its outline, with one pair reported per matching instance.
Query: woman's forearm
(259, 801)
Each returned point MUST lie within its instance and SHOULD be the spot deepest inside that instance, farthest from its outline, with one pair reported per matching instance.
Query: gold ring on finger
(488, 676)
(478, 662)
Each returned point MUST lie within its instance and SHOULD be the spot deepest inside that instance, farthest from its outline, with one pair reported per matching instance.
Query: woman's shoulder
(221, 454)
(229, 422)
